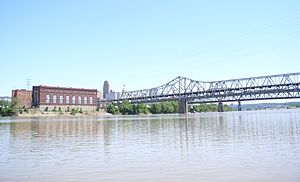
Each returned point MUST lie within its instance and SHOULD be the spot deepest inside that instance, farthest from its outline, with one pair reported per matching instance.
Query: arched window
(79, 100)
(67, 99)
(54, 99)
(85, 100)
(91, 100)
(47, 99)
(61, 99)
(73, 100)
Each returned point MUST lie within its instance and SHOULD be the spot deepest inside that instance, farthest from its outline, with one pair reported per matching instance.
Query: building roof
(66, 88)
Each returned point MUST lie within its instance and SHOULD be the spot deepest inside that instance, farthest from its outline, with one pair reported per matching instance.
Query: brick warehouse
(55, 97)
(24, 97)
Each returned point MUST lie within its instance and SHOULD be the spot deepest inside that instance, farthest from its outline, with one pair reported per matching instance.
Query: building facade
(64, 98)
(106, 88)
(24, 98)
(112, 95)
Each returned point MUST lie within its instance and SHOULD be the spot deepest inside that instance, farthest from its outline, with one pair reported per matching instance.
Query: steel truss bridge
(188, 91)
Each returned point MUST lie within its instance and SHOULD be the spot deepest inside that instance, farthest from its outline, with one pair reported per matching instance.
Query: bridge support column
(239, 106)
(183, 106)
(220, 107)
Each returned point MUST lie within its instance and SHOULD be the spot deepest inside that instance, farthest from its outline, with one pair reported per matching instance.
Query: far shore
(38, 113)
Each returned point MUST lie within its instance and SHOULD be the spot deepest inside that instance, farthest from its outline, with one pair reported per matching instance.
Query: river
(218, 147)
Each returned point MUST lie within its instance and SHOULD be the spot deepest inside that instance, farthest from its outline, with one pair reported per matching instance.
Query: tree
(155, 108)
(142, 109)
(167, 107)
(111, 108)
(175, 106)
(126, 108)
(7, 109)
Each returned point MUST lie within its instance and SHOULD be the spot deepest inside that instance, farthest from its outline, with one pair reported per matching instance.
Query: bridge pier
(183, 106)
(220, 107)
(239, 106)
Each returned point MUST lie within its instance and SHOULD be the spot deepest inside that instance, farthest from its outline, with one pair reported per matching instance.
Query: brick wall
(58, 96)
(24, 97)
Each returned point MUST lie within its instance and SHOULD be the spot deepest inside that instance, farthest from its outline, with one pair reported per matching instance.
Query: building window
(79, 100)
(85, 100)
(91, 100)
(73, 100)
(36, 96)
(47, 99)
(54, 99)
(67, 99)
(61, 99)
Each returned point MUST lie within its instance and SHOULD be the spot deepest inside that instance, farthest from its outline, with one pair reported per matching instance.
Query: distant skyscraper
(106, 88)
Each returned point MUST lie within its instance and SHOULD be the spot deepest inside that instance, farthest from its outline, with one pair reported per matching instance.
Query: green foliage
(74, 111)
(167, 107)
(126, 108)
(140, 109)
(59, 109)
(46, 109)
(155, 108)
(111, 108)
(54, 109)
(209, 108)
(80, 110)
(7, 108)
(227, 108)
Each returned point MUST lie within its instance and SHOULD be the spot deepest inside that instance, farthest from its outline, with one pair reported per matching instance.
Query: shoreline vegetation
(9, 109)
(168, 107)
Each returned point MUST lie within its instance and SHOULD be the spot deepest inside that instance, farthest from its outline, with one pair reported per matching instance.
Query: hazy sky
(144, 43)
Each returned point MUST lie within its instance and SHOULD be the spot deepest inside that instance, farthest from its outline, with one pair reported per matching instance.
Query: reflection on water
(237, 146)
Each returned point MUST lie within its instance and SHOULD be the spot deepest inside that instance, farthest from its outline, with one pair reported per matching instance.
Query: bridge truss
(283, 86)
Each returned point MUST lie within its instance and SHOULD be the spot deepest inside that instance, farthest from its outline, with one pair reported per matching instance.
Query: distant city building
(99, 95)
(112, 95)
(106, 89)
(5, 98)
(24, 97)
(55, 97)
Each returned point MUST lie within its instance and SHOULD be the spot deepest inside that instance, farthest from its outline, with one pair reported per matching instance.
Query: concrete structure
(64, 98)
(106, 88)
(112, 95)
(24, 98)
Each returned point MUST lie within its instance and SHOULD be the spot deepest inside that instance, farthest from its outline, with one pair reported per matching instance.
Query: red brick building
(24, 97)
(47, 96)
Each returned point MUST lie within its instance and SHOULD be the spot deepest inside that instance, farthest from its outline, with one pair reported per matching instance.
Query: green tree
(142, 109)
(175, 105)
(155, 108)
(126, 108)
(227, 108)
(111, 108)
(167, 107)
(7, 108)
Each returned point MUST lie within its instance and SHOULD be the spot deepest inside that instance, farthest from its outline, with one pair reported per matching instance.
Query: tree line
(168, 107)
(126, 108)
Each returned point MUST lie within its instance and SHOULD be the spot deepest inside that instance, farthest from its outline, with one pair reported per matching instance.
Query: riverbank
(37, 113)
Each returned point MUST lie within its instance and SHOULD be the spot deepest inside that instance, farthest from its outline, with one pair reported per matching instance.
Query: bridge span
(188, 91)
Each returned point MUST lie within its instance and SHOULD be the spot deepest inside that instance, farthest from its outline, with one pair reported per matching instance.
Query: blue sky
(143, 44)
